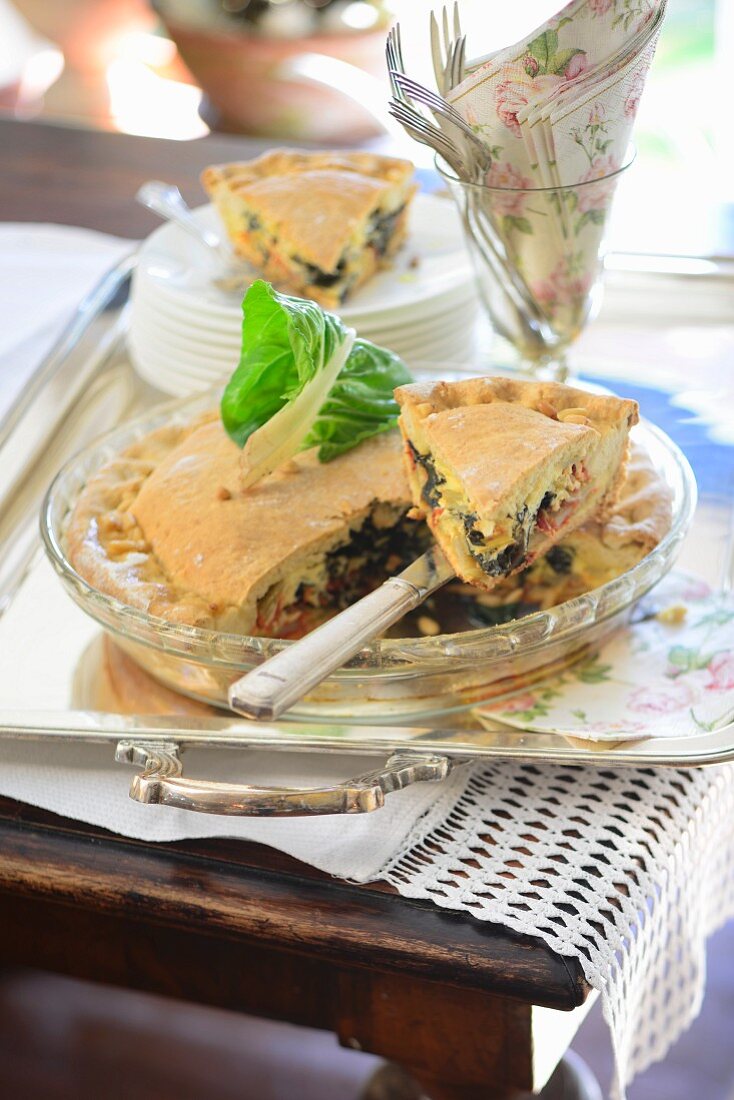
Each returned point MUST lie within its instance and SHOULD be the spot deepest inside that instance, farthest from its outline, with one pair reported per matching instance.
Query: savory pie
(601, 549)
(502, 469)
(314, 224)
(166, 528)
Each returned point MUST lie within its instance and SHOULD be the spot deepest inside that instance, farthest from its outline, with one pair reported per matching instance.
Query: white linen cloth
(45, 271)
(627, 870)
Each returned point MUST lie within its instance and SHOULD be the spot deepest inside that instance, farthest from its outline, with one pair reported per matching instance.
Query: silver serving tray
(48, 645)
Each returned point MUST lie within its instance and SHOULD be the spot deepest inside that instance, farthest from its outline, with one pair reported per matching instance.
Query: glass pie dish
(409, 681)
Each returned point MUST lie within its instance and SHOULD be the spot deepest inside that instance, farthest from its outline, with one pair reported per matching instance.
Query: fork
(399, 81)
(394, 58)
(426, 132)
(512, 283)
(457, 63)
(448, 53)
(405, 89)
(465, 167)
(514, 288)
(480, 153)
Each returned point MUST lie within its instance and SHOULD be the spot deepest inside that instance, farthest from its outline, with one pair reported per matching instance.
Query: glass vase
(538, 254)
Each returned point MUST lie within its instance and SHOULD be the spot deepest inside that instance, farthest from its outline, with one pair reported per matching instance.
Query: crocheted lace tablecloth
(627, 870)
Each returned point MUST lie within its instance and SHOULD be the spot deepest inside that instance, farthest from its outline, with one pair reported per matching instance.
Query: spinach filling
(498, 565)
(494, 564)
(560, 559)
(469, 519)
(318, 277)
(431, 487)
(379, 235)
(371, 555)
(381, 229)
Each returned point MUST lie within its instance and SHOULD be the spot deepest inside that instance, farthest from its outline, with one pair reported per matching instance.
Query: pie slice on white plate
(314, 224)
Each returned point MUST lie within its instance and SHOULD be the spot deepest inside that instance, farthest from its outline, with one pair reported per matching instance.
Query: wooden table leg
(458, 1044)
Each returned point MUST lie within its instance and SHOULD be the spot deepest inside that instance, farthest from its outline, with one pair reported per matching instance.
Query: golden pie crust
(165, 527)
(309, 221)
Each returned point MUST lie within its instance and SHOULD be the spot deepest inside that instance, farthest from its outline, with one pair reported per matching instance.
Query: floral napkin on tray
(670, 674)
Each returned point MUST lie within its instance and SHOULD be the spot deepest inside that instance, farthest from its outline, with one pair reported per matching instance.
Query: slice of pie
(599, 551)
(165, 527)
(502, 470)
(314, 224)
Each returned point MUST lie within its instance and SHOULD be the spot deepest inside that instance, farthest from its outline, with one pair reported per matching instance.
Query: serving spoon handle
(270, 689)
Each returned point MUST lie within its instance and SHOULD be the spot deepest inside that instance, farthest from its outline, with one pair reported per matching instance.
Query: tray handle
(162, 782)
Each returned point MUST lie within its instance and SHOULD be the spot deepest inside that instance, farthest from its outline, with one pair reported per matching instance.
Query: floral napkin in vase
(573, 94)
(556, 110)
(587, 127)
(585, 37)
(585, 137)
(671, 674)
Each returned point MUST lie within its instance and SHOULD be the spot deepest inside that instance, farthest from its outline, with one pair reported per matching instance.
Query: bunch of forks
(450, 136)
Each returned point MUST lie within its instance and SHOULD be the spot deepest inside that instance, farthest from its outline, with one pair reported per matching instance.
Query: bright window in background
(672, 199)
(676, 198)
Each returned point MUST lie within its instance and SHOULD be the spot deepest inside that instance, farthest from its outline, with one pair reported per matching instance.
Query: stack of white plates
(185, 332)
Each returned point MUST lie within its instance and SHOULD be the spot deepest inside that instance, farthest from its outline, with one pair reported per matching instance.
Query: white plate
(194, 365)
(179, 383)
(147, 292)
(180, 271)
(151, 294)
(166, 378)
(447, 312)
(459, 350)
(458, 346)
(177, 375)
(145, 329)
(175, 321)
(204, 364)
(148, 324)
(155, 360)
(176, 361)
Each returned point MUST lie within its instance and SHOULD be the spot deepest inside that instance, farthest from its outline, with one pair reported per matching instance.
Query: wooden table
(463, 1005)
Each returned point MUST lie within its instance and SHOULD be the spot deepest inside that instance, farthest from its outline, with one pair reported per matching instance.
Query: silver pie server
(275, 685)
